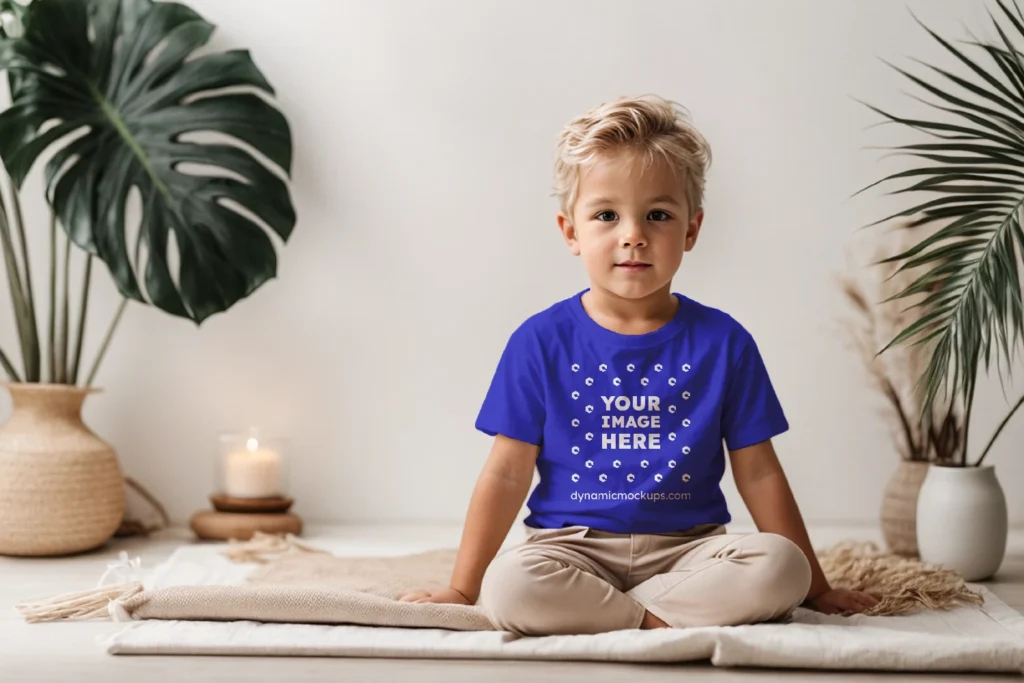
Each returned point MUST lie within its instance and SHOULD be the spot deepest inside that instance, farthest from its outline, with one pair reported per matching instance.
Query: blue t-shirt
(631, 428)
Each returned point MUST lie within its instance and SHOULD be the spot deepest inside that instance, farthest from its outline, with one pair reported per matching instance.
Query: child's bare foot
(650, 621)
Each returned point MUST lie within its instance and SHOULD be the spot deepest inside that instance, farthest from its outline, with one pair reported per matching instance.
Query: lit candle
(252, 473)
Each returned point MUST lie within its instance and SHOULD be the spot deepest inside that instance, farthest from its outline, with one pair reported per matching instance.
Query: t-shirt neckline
(593, 328)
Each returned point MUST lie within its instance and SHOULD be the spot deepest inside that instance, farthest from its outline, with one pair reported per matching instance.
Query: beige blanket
(300, 584)
(304, 586)
(299, 601)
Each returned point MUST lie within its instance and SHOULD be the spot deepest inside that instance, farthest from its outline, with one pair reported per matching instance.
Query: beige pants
(579, 580)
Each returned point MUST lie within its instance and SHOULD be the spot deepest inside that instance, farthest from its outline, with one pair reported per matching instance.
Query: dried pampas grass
(903, 585)
(874, 321)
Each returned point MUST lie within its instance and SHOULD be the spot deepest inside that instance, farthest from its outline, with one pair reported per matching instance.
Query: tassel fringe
(79, 606)
(264, 547)
(104, 602)
(903, 585)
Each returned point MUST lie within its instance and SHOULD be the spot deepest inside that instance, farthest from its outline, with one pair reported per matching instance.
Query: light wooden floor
(69, 652)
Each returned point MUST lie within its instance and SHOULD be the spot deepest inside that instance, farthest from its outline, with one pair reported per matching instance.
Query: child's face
(630, 226)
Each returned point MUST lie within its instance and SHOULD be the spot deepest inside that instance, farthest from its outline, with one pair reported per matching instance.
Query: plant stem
(897, 404)
(14, 282)
(106, 341)
(949, 428)
(53, 298)
(33, 374)
(969, 399)
(8, 368)
(81, 319)
(999, 429)
(62, 333)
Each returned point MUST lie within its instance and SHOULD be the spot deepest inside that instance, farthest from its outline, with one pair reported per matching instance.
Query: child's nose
(632, 236)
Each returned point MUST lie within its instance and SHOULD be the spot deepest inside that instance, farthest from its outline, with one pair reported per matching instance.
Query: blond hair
(649, 125)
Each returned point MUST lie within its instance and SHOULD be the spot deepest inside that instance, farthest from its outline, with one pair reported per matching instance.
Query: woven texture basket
(61, 487)
(899, 507)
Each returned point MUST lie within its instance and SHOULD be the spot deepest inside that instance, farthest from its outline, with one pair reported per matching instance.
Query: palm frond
(971, 183)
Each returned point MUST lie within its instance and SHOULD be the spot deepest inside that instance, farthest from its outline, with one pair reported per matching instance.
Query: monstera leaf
(113, 87)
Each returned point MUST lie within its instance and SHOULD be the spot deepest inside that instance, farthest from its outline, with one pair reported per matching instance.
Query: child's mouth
(633, 266)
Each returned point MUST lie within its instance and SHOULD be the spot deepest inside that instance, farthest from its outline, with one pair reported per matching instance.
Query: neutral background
(424, 134)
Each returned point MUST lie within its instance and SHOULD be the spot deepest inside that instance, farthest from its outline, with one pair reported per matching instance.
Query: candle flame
(252, 444)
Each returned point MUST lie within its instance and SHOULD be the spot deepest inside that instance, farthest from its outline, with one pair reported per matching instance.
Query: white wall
(424, 133)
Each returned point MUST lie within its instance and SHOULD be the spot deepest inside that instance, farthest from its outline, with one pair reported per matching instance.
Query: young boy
(625, 397)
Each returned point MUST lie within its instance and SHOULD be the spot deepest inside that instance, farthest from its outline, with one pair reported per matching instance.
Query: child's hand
(444, 595)
(841, 600)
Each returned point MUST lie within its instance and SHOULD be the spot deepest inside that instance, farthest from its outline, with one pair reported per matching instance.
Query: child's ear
(568, 231)
(693, 229)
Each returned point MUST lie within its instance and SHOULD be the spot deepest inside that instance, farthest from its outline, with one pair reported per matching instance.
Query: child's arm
(497, 498)
(765, 490)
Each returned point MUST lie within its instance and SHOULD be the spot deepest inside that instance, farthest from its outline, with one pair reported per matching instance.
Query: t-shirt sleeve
(752, 411)
(514, 403)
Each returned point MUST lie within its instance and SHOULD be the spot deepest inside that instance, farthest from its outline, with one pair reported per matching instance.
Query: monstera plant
(166, 163)
(112, 92)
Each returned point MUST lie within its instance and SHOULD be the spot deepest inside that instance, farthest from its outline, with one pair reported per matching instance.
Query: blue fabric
(632, 429)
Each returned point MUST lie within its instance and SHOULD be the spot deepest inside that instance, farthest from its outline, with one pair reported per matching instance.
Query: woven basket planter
(61, 487)
(899, 507)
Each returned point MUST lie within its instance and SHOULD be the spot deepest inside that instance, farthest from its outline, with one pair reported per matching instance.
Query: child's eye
(658, 215)
(606, 216)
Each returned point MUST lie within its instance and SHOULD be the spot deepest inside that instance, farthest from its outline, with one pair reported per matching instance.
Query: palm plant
(113, 91)
(971, 168)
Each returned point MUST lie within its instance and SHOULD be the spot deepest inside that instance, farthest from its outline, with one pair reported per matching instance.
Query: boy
(623, 397)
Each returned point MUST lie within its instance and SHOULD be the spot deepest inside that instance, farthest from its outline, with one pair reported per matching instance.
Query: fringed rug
(278, 596)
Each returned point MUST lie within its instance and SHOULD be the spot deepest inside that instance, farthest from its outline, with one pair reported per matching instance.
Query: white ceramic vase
(962, 520)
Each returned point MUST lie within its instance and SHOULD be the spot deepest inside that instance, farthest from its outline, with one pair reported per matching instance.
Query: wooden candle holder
(225, 503)
(241, 518)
